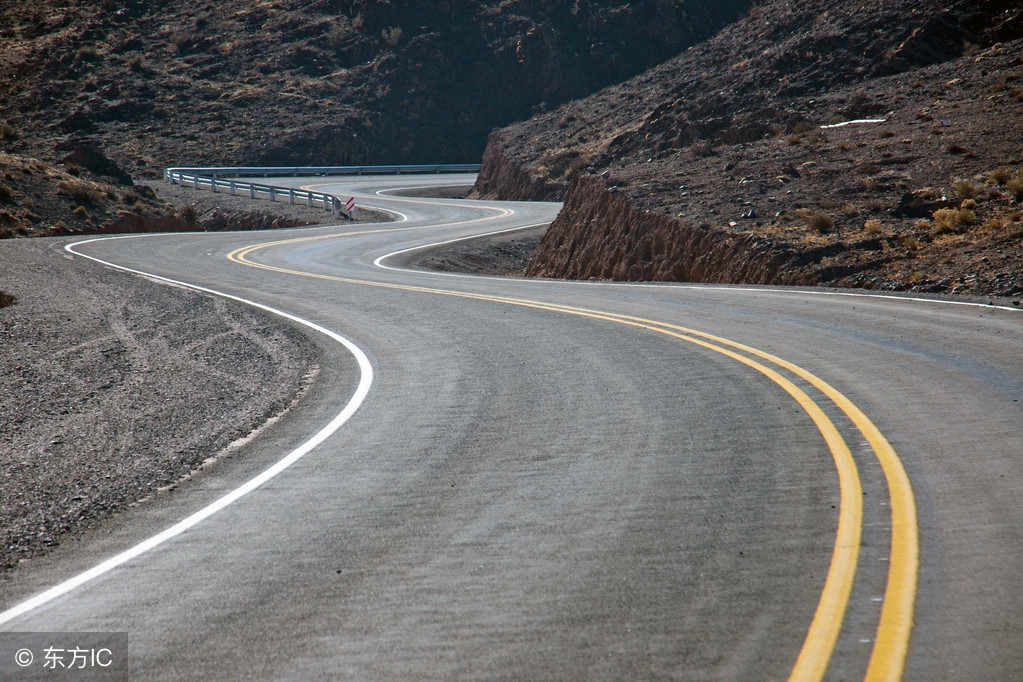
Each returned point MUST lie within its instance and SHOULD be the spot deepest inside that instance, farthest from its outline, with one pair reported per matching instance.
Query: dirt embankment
(598, 235)
(505, 178)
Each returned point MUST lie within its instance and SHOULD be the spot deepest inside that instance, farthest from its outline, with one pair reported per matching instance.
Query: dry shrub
(992, 225)
(818, 221)
(952, 220)
(6, 194)
(7, 299)
(1015, 187)
(189, 213)
(79, 190)
(1000, 176)
(965, 189)
(872, 226)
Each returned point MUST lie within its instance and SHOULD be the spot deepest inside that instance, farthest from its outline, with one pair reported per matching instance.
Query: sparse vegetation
(965, 189)
(88, 54)
(1015, 186)
(7, 299)
(1000, 176)
(81, 191)
(952, 220)
(371, 69)
(188, 213)
(818, 221)
(6, 194)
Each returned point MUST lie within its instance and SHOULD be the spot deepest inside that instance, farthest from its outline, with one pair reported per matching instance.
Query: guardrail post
(213, 184)
(195, 182)
(291, 196)
(252, 191)
(309, 199)
(230, 187)
(273, 196)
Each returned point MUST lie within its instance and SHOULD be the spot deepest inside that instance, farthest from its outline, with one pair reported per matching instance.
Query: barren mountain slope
(313, 81)
(715, 166)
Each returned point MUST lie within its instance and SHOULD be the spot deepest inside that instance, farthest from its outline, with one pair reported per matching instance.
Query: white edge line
(386, 192)
(365, 382)
(678, 285)
(404, 218)
(379, 262)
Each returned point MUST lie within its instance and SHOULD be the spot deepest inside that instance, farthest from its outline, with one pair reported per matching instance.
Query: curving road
(523, 479)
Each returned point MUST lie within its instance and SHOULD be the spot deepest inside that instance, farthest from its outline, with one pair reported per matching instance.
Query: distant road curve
(571, 479)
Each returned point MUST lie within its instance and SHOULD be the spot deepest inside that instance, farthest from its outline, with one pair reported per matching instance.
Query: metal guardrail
(211, 179)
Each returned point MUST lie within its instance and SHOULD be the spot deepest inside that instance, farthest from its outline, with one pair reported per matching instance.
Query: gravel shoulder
(114, 387)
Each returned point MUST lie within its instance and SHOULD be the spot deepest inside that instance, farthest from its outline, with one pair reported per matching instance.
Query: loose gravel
(113, 386)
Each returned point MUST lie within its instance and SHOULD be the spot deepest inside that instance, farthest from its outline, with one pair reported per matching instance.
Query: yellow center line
(891, 645)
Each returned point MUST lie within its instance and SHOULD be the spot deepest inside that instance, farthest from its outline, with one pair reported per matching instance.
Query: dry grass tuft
(952, 220)
(965, 189)
(818, 221)
(1000, 176)
(81, 191)
(1015, 187)
(7, 299)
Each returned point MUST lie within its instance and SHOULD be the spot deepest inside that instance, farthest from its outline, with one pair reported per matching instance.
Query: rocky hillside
(87, 193)
(742, 160)
(157, 83)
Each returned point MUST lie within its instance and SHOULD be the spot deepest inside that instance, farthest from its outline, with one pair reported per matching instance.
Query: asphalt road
(555, 480)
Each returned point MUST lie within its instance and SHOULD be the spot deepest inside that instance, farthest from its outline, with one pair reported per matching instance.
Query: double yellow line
(891, 642)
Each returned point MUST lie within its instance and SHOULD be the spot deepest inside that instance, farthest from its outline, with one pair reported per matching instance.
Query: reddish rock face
(599, 236)
(502, 178)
